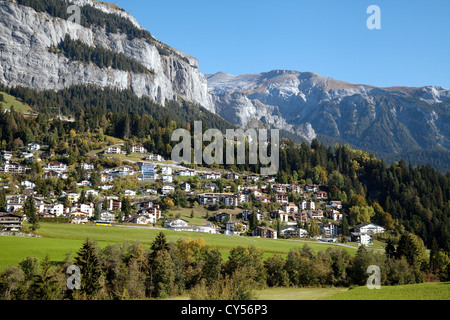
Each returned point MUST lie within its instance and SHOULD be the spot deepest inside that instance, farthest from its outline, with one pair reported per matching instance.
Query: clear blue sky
(328, 37)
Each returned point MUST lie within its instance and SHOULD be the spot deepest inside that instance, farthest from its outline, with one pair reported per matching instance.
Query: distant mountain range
(412, 123)
(395, 122)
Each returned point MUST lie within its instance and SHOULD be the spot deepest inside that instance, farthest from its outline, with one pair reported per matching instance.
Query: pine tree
(89, 263)
(2, 200)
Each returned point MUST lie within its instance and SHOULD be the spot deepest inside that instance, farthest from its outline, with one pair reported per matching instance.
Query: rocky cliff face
(26, 36)
(382, 120)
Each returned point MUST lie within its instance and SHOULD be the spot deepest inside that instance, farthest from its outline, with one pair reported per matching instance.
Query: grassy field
(298, 293)
(423, 291)
(11, 101)
(59, 239)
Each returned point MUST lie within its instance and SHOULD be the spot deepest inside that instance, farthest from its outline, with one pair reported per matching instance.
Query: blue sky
(328, 37)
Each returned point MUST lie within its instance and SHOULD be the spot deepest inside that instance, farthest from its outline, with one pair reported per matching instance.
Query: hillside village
(151, 190)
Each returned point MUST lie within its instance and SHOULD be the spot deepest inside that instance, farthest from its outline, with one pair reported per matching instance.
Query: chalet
(107, 216)
(281, 198)
(252, 178)
(6, 155)
(56, 210)
(87, 167)
(138, 149)
(301, 216)
(289, 208)
(361, 238)
(265, 232)
(166, 171)
(129, 193)
(368, 228)
(113, 205)
(56, 166)
(264, 199)
(311, 188)
(14, 168)
(140, 219)
(294, 188)
(176, 222)
(235, 228)
(28, 184)
(84, 183)
(279, 214)
(269, 179)
(293, 232)
(10, 222)
(33, 146)
(315, 214)
(208, 198)
(212, 175)
(185, 186)
(307, 205)
(255, 192)
(153, 213)
(247, 215)
(232, 176)
(186, 173)
(279, 188)
(329, 230)
(320, 195)
(335, 205)
(114, 150)
(147, 205)
(230, 200)
(222, 217)
(73, 197)
(94, 193)
(334, 215)
(201, 229)
(87, 209)
(167, 190)
(54, 175)
(155, 157)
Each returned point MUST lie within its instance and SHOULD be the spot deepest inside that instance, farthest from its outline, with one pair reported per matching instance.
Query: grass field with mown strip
(12, 101)
(422, 291)
(59, 239)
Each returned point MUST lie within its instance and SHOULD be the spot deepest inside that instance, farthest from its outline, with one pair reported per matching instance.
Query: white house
(186, 173)
(307, 205)
(92, 192)
(212, 176)
(114, 150)
(361, 238)
(87, 167)
(167, 179)
(166, 171)
(138, 149)
(55, 166)
(170, 223)
(289, 207)
(33, 146)
(130, 193)
(369, 228)
(155, 157)
(28, 184)
(167, 189)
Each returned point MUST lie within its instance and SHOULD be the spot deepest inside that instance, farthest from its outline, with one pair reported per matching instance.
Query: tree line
(101, 57)
(190, 267)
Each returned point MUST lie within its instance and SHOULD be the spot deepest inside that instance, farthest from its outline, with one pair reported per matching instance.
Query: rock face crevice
(26, 36)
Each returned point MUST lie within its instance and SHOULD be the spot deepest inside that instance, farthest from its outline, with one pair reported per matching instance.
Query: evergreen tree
(2, 200)
(89, 263)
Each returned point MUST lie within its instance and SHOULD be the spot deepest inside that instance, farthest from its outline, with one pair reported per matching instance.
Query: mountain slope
(29, 30)
(391, 122)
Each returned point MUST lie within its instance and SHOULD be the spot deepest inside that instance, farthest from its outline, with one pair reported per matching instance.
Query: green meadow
(11, 101)
(59, 239)
(422, 291)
